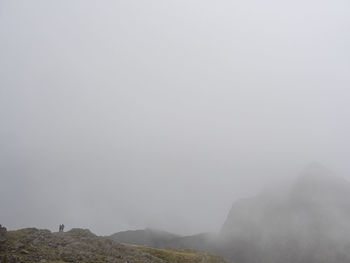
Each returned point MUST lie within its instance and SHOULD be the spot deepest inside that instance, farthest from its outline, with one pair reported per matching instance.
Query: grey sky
(119, 115)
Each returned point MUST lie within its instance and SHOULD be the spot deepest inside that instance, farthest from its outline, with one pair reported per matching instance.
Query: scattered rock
(9, 259)
(18, 245)
(67, 257)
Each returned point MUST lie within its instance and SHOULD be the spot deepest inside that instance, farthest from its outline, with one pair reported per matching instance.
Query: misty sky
(120, 115)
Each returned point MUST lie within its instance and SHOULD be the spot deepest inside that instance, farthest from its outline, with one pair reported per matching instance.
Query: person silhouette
(61, 227)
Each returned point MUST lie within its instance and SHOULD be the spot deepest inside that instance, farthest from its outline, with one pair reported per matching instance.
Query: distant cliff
(307, 221)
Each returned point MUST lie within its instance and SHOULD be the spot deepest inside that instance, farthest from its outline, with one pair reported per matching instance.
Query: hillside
(76, 245)
(80, 245)
(204, 242)
(148, 237)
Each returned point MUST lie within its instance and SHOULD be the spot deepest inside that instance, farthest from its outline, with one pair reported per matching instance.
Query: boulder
(3, 234)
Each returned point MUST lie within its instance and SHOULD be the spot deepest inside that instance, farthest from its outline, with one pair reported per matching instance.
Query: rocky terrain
(80, 245)
(76, 245)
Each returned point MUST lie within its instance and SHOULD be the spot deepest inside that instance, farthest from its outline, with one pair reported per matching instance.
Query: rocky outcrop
(3, 234)
(77, 245)
(3, 238)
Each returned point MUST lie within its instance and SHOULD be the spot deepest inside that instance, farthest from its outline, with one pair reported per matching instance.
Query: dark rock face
(3, 234)
(309, 223)
(3, 238)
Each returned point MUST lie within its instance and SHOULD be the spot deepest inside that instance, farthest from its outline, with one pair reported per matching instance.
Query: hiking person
(60, 229)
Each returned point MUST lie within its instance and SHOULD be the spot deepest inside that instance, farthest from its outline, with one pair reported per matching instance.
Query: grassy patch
(181, 256)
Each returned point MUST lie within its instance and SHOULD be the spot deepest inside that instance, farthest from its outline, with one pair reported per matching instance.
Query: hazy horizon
(120, 115)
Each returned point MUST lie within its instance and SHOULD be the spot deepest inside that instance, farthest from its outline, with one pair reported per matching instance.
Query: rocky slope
(80, 245)
(76, 245)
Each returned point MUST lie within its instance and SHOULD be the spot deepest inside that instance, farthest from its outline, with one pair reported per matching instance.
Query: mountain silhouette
(309, 222)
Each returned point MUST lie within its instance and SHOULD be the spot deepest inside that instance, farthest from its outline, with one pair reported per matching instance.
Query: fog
(120, 115)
